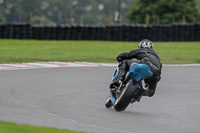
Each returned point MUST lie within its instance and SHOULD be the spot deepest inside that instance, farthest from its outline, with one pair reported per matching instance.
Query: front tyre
(126, 95)
(108, 103)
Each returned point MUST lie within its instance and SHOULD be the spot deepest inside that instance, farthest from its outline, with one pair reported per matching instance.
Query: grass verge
(7, 127)
(18, 51)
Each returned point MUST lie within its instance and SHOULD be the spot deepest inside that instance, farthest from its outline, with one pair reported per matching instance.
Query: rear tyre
(126, 96)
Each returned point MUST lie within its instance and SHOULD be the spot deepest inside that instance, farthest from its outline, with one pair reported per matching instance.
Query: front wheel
(126, 95)
(108, 103)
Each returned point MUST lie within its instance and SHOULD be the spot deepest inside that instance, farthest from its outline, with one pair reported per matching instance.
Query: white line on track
(35, 65)
(18, 66)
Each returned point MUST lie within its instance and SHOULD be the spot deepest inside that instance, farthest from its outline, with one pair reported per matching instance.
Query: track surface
(73, 98)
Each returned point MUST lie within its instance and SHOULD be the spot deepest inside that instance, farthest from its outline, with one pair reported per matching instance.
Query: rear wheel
(126, 95)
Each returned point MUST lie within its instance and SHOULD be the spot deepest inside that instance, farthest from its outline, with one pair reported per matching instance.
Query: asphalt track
(73, 98)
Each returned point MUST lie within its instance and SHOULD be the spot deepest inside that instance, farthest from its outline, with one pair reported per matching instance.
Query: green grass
(18, 51)
(7, 127)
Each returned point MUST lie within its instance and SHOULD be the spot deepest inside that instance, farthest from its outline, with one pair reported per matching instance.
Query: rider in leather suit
(145, 54)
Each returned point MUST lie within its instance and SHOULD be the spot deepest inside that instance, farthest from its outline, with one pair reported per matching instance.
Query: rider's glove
(119, 59)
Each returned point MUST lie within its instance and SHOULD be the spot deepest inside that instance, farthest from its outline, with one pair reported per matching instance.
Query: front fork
(113, 99)
(115, 92)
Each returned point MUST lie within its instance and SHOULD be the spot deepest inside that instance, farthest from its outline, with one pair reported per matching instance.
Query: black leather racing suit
(146, 56)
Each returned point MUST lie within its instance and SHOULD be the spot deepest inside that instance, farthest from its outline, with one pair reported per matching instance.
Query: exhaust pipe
(146, 87)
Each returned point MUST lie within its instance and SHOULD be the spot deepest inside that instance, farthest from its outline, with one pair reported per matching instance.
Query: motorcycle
(131, 89)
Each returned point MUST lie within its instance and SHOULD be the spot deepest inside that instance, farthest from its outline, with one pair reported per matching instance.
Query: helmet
(145, 43)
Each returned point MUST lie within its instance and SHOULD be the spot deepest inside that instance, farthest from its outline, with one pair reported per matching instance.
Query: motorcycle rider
(145, 54)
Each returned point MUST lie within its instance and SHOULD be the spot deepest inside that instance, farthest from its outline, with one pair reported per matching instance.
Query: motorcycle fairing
(140, 71)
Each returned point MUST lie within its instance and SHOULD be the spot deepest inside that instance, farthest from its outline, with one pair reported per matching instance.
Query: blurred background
(99, 12)
(115, 20)
(91, 12)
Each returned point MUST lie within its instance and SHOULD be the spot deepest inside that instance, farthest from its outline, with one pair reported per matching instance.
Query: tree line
(164, 11)
(60, 11)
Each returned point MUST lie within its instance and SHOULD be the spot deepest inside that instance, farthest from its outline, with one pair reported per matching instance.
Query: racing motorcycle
(131, 89)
